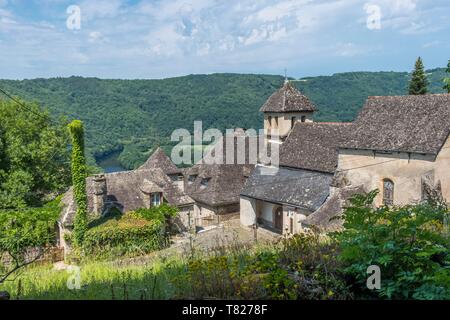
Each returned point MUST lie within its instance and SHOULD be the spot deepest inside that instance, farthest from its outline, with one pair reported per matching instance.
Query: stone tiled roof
(314, 146)
(299, 188)
(419, 124)
(125, 188)
(328, 216)
(288, 99)
(220, 184)
(159, 160)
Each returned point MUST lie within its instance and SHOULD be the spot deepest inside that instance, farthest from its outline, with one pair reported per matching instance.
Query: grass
(99, 281)
(153, 277)
(237, 271)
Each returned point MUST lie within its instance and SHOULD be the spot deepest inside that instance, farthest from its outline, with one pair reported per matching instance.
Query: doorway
(278, 219)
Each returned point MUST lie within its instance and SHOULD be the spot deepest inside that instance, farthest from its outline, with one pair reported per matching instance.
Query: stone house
(154, 183)
(399, 145)
(215, 185)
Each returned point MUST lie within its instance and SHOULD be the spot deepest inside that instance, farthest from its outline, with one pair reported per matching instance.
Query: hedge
(127, 234)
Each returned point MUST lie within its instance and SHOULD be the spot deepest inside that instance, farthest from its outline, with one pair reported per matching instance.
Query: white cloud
(172, 37)
(92, 9)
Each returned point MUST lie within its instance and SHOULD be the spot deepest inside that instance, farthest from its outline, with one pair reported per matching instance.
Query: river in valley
(111, 163)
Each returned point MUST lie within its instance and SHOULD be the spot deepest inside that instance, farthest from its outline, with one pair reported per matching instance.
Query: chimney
(99, 195)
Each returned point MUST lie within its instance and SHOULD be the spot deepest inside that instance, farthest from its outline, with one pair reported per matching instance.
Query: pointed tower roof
(160, 160)
(288, 99)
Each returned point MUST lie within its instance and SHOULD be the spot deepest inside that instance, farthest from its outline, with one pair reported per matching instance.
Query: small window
(269, 119)
(176, 177)
(303, 118)
(156, 199)
(293, 120)
(276, 122)
(388, 192)
(192, 178)
(205, 182)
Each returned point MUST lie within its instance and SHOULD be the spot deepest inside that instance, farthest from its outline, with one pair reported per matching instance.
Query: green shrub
(160, 213)
(27, 228)
(408, 243)
(127, 234)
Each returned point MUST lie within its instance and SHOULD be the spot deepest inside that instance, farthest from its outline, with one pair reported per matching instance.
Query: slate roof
(314, 146)
(419, 124)
(300, 188)
(328, 216)
(288, 99)
(225, 181)
(159, 160)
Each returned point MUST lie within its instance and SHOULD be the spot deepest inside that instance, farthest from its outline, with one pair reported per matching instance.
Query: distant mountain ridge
(136, 115)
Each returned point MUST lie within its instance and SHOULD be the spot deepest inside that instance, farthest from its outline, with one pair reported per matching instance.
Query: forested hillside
(136, 115)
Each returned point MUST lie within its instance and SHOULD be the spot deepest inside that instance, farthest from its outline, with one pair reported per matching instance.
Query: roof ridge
(410, 95)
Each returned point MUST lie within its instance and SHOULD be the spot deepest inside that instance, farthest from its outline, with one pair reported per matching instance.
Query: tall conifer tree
(419, 82)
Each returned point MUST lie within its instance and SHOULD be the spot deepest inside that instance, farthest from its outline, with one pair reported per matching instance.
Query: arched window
(388, 192)
(303, 118)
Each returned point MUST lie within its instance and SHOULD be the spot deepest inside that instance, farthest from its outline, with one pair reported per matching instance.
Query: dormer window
(192, 178)
(205, 183)
(176, 177)
(156, 199)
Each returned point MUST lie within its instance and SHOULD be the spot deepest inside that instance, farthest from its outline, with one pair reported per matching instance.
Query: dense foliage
(34, 159)
(419, 82)
(163, 212)
(410, 244)
(79, 174)
(130, 233)
(24, 229)
(132, 116)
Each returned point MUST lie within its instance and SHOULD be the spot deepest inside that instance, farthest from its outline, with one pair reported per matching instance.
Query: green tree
(79, 174)
(447, 79)
(33, 155)
(23, 229)
(419, 82)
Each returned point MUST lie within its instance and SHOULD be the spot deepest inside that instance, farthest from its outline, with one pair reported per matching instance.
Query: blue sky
(158, 39)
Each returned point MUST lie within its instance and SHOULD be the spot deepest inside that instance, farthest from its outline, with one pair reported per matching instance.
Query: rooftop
(419, 124)
(314, 146)
(288, 99)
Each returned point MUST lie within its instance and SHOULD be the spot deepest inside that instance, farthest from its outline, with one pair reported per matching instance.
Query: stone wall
(407, 171)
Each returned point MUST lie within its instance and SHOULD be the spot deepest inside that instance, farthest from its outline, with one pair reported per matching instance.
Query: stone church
(399, 145)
